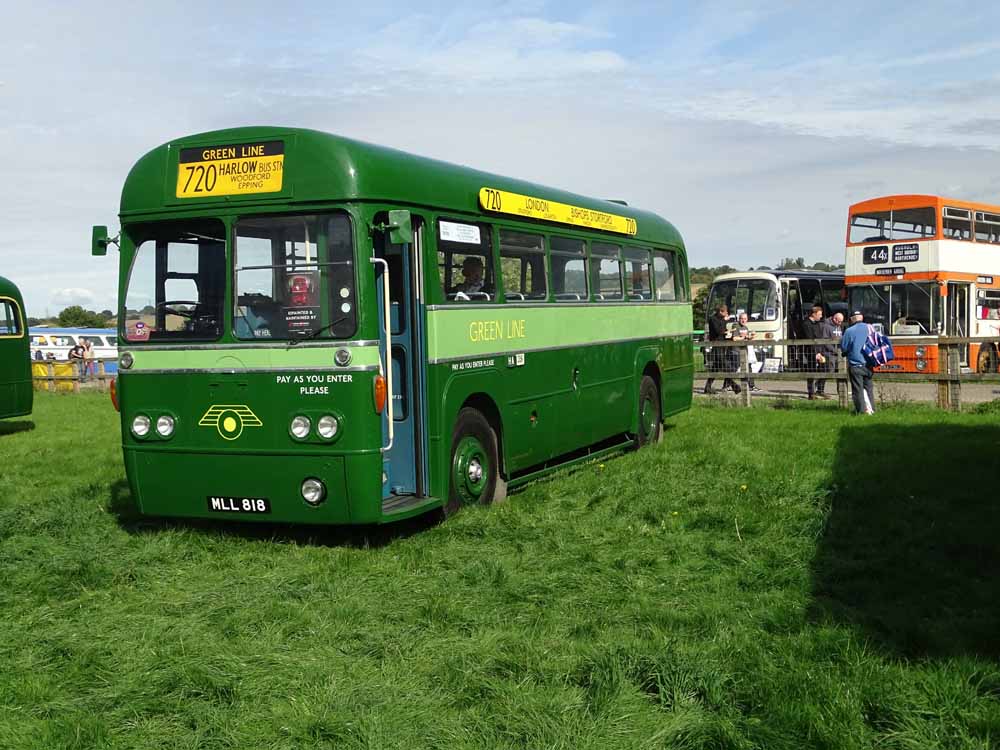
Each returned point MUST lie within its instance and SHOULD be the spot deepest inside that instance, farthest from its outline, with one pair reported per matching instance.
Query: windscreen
(900, 309)
(177, 282)
(295, 277)
(891, 225)
(756, 297)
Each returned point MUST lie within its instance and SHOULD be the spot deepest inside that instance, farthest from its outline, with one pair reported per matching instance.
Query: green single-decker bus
(318, 330)
(15, 358)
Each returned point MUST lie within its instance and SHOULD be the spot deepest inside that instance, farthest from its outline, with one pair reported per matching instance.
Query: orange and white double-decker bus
(927, 266)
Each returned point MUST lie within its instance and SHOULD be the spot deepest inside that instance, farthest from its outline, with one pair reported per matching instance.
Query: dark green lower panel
(180, 484)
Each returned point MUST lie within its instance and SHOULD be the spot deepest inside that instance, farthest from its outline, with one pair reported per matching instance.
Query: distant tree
(106, 314)
(787, 263)
(148, 310)
(35, 322)
(75, 316)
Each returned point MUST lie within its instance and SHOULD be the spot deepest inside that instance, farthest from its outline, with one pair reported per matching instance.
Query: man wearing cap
(857, 368)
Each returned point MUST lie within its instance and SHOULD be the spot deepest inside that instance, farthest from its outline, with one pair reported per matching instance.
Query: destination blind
(503, 202)
(235, 169)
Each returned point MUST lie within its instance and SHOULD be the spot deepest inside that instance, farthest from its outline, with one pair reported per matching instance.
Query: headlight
(342, 357)
(165, 425)
(921, 352)
(300, 427)
(126, 361)
(140, 425)
(921, 364)
(327, 426)
(313, 491)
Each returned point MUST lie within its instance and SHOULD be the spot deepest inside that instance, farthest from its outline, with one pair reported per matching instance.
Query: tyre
(474, 473)
(986, 362)
(650, 413)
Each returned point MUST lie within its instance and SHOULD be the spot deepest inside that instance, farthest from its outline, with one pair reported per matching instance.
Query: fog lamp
(342, 357)
(921, 364)
(313, 491)
(921, 352)
(126, 361)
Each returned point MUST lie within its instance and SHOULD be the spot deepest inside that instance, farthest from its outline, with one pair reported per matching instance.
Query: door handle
(576, 378)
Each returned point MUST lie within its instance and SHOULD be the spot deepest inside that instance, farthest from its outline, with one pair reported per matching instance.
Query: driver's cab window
(177, 282)
(465, 262)
(793, 309)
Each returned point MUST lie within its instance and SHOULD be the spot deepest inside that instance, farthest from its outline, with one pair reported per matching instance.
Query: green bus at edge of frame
(319, 330)
(15, 358)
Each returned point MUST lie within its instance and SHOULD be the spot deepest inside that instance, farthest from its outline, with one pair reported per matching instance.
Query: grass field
(769, 578)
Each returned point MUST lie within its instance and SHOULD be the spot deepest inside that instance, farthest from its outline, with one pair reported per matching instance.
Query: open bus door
(404, 463)
(957, 322)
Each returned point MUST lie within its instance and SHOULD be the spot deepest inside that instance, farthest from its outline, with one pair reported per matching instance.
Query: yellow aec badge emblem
(230, 419)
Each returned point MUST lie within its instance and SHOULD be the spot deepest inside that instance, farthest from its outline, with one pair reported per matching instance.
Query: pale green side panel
(460, 332)
(249, 358)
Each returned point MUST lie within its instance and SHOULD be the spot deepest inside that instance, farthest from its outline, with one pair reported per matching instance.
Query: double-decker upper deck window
(522, 266)
(569, 269)
(606, 273)
(177, 282)
(956, 223)
(465, 262)
(892, 225)
(295, 277)
(987, 227)
(10, 318)
(665, 274)
(638, 274)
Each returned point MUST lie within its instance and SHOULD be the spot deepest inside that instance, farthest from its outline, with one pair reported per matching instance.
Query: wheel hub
(475, 471)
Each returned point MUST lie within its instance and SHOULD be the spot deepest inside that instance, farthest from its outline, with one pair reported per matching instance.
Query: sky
(750, 126)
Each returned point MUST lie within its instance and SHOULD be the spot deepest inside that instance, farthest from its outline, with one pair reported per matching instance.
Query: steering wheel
(180, 313)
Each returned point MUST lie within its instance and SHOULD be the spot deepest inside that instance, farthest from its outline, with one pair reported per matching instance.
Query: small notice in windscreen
(234, 169)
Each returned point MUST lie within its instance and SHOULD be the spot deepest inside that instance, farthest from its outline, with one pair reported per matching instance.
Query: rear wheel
(475, 463)
(986, 362)
(649, 424)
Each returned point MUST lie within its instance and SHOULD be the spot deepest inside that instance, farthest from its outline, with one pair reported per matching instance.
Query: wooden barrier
(949, 378)
(50, 378)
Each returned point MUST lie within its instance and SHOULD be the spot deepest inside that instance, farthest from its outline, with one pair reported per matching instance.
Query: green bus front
(15, 361)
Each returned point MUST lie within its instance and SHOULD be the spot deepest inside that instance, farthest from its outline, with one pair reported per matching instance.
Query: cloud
(72, 296)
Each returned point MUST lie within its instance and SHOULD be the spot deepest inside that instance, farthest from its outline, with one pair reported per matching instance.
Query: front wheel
(986, 362)
(650, 414)
(475, 463)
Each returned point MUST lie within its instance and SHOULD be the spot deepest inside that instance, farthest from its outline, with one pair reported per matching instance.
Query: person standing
(858, 371)
(77, 356)
(88, 358)
(743, 333)
(718, 330)
(832, 328)
(812, 356)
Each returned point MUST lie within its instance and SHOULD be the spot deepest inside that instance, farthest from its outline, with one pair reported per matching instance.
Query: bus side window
(605, 271)
(667, 280)
(465, 262)
(10, 319)
(569, 269)
(522, 266)
(638, 274)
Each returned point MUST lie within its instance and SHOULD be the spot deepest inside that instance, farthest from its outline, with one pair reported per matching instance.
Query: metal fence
(70, 375)
(733, 360)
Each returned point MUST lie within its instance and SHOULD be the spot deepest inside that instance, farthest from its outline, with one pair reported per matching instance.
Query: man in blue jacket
(858, 370)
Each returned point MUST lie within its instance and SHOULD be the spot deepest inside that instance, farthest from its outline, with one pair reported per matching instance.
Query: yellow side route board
(503, 202)
(236, 169)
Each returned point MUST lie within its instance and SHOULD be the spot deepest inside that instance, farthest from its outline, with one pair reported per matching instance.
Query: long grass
(762, 579)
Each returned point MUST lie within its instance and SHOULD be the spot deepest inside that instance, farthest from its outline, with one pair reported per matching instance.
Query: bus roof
(784, 273)
(325, 167)
(9, 289)
(885, 202)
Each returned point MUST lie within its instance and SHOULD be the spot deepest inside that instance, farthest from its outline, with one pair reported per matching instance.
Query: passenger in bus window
(472, 274)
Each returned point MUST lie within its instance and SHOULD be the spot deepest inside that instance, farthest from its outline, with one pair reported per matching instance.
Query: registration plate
(227, 504)
(232, 169)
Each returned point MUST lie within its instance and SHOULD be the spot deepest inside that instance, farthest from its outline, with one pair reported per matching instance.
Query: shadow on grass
(911, 548)
(123, 507)
(12, 428)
